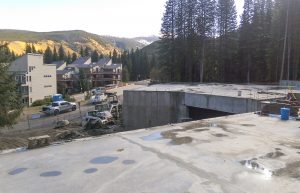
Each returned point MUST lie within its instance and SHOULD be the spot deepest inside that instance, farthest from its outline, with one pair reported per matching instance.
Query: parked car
(98, 98)
(98, 90)
(58, 107)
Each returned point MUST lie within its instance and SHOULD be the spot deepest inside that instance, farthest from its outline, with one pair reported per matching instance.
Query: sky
(122, 18)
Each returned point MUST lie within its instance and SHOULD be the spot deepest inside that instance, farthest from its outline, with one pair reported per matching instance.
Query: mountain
(70, 40)
(146, 40)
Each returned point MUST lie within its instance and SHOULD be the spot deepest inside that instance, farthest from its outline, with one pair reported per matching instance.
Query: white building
(37, 80)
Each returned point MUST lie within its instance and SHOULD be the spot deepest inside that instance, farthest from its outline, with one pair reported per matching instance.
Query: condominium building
(36, 80)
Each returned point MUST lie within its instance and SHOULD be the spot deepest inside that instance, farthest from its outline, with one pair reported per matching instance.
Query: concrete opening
(199, 113)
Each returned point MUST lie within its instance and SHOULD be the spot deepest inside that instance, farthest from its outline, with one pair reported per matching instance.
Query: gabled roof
(79, 65)
(83, 60)
(59, 63)
(103, 61)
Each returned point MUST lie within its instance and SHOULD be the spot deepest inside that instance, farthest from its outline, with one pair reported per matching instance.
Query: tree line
(202, 42)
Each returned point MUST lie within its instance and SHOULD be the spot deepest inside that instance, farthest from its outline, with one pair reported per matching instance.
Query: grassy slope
(71, 40)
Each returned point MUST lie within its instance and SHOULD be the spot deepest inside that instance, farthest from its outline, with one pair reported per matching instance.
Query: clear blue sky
(123, 18)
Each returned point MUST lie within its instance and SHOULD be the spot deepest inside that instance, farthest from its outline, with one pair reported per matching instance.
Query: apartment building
(100, 73)
(36, 79)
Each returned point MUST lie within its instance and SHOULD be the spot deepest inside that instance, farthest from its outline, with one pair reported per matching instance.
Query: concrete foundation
(164, 104)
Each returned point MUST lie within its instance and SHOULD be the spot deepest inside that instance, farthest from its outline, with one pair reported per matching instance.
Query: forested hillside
(202, 41)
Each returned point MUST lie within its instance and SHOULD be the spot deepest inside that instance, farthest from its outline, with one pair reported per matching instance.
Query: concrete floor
(235, 154)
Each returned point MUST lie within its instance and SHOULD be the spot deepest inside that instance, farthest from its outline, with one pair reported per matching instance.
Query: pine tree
(227, 25)
(10, 99)
(81, 52)
(68, 58)
(48, 56)
(74, 57)
(86, 52)
(33, 50)
(95, 56)
(125, 74)
(114, 56)
(55, 55)
(28, 49)
(61, 53)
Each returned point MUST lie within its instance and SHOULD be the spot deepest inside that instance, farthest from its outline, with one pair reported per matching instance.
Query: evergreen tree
(95, 56)
(69, 58)
(74, 57)
(28, 49)
(227, 25)
(61, 53)
(10, 99)
(114, 56)
(55, 55)
(125, 74)
(86, 52)
(33, 50)
(81, 52)
(48, 56)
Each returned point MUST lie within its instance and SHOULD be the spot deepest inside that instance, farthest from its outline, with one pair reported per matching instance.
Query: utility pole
(285, 39)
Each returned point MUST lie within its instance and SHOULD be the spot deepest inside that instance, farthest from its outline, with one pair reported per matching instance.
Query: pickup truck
(58, 107)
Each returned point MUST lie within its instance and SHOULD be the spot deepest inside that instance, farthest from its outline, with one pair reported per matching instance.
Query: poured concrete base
(236, 154)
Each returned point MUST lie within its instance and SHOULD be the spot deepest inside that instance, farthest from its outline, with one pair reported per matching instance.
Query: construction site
(170, 138)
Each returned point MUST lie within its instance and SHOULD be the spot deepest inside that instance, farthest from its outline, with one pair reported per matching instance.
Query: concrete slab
(241, 153)
(257, 92)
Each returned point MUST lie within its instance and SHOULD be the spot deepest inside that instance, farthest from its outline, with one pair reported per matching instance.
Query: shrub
(42, 102)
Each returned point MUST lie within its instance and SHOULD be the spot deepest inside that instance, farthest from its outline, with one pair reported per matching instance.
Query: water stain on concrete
(174, 139)
(90, 170)
(292, 170)
(248, 125)
(273, 155)
(103, 160)
(128, 162)
(278, 149)
(50, 174)
(152, 137)
(181, 140)
(201, 130)
(220, 135)
(197, 125)
(17, 171)
(120, 150)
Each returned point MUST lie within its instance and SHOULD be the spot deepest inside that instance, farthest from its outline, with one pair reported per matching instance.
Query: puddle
(128, 162)
(292, 170)
(50, 174)
(103, 160)
(273, 155)
(201, 130)
(253, 165)
(153, 137)
(90, 170)
(17, 171)
(220, 135)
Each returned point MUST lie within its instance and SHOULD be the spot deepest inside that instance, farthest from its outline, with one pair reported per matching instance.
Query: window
(30, 89)
(47, 86)
(30, 100)
(29, 78)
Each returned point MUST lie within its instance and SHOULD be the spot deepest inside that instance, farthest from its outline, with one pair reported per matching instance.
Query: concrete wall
(295, 84)
(222, 103)
(143, 109)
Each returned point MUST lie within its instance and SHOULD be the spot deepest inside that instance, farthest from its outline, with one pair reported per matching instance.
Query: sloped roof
(83, 60)
(113, 66)
(59, 63)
